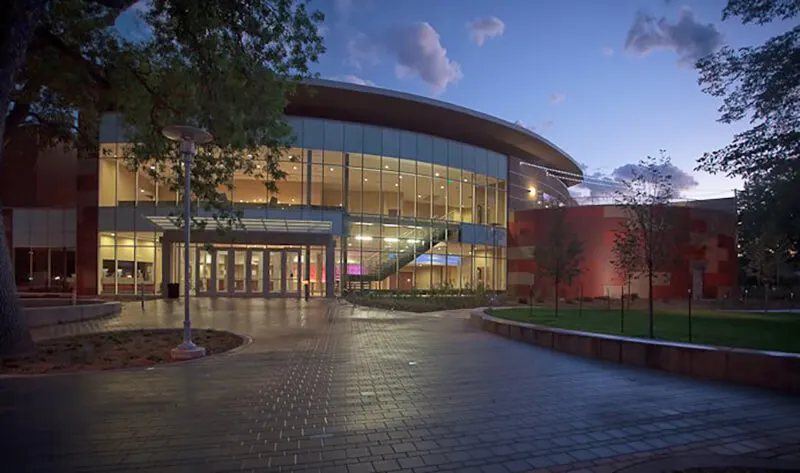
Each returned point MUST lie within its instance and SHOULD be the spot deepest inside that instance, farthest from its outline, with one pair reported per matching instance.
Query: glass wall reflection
(405, 193)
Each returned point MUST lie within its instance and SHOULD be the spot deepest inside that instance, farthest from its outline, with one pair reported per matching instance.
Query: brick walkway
(372, 392)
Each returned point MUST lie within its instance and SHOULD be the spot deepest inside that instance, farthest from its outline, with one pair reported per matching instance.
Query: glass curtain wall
(406, 195)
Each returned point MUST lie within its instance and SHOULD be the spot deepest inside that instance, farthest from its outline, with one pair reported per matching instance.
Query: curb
(773, 370)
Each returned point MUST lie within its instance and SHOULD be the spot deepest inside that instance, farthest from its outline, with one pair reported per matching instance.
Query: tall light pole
(188, 136)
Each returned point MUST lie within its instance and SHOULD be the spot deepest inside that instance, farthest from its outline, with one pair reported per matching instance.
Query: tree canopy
(761, 85)
(226, 65)
(647, 227)
(560, 256)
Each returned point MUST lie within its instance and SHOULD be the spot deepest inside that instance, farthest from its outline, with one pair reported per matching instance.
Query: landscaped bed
(775, 331)
(424, 302)
(114, 350)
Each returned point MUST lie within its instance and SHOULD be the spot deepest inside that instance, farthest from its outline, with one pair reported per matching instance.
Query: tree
(626, 258)
(226, 66)
(561, 256)
(645, 198)
(760, 85)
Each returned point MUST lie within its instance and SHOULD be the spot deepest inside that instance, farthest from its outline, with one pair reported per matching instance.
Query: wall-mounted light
(532, 191)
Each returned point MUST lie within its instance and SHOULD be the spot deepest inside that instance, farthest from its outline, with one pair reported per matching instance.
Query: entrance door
(275, 265)
(283, 272)
(255, 271)
(205, 272)
(239, 272)
(292, 273)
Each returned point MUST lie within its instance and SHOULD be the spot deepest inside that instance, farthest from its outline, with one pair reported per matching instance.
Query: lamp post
(188, 136)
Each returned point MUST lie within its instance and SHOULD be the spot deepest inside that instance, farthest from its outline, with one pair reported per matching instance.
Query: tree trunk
(14, 335)
(650, 302)
(17, 24)
(556, 297)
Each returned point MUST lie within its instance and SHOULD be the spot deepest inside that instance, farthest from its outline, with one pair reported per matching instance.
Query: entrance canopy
(317, 227)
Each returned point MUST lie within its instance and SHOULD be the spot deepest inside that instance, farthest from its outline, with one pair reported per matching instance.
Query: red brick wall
(34, 175)
(701, 236)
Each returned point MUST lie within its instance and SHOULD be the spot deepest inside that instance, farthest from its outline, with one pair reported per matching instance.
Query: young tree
(226, 66)
(760, 84)
(626, 257)
(645, 198)
(560, 257)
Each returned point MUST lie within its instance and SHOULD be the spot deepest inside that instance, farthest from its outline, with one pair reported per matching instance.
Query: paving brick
(311, 395)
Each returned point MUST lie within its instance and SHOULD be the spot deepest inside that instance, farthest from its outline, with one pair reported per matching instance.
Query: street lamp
(188, 136)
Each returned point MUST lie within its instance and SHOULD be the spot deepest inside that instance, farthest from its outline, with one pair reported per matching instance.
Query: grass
(113, 350)
(777, 331)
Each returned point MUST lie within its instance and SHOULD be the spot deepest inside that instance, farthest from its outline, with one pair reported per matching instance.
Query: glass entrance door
(275, 263)
(205, 273)
(239, 271)
(255, 271)
(292, 273)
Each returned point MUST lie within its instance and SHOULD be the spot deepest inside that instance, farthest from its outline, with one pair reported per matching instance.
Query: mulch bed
(113, 350)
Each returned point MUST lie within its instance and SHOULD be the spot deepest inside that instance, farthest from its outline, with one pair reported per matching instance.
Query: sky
(610, 82)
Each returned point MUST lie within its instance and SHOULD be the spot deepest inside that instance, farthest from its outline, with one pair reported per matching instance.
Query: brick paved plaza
(372, 392)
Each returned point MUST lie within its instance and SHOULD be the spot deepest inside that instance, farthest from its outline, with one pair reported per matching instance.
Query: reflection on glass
(255, 270)
(204, 271)
(275, 272)
(293, 272)
(239, 274)
(222, 271)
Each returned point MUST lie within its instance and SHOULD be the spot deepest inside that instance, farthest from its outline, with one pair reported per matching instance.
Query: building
(385, 190)
(704, 258)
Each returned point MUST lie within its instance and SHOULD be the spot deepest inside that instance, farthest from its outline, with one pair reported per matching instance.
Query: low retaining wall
(775, 370)
(66, 312)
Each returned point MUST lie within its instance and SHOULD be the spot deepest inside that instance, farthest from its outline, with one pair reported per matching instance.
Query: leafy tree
(760, 84)
(647, 228)
(626, 258)
(765, 259)
(560, 257)
(226, 66)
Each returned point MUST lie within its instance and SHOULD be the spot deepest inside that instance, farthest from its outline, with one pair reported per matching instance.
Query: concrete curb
(773, 370)
(68, 313)
(684, 462)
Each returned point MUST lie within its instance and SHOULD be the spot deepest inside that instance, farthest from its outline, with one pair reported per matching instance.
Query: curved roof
(371, 105)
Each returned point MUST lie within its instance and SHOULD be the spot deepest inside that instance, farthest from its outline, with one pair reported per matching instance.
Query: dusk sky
(610, 82)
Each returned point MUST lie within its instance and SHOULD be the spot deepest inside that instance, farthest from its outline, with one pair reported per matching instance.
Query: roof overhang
(317, 227)
(381, 107)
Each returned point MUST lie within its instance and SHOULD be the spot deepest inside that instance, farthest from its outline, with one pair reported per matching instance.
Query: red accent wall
(34, 173)
(703, 237)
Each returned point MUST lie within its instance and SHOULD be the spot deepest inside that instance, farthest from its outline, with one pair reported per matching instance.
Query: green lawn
(770, 331)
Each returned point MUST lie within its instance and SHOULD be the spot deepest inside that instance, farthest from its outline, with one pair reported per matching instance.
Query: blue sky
(608, 81)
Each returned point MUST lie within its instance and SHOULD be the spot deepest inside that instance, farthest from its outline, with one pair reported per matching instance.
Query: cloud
(352, 79)
(689, 38)
(681, 180)
(418, 53)
(557, 97)
(607, 51)
(602, 184)
(483, 29)
(362, 50)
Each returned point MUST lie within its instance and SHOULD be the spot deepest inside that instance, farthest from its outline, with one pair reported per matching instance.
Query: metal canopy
(256, 225)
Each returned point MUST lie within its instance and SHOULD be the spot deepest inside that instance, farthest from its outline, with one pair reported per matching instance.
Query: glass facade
(419, 211)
